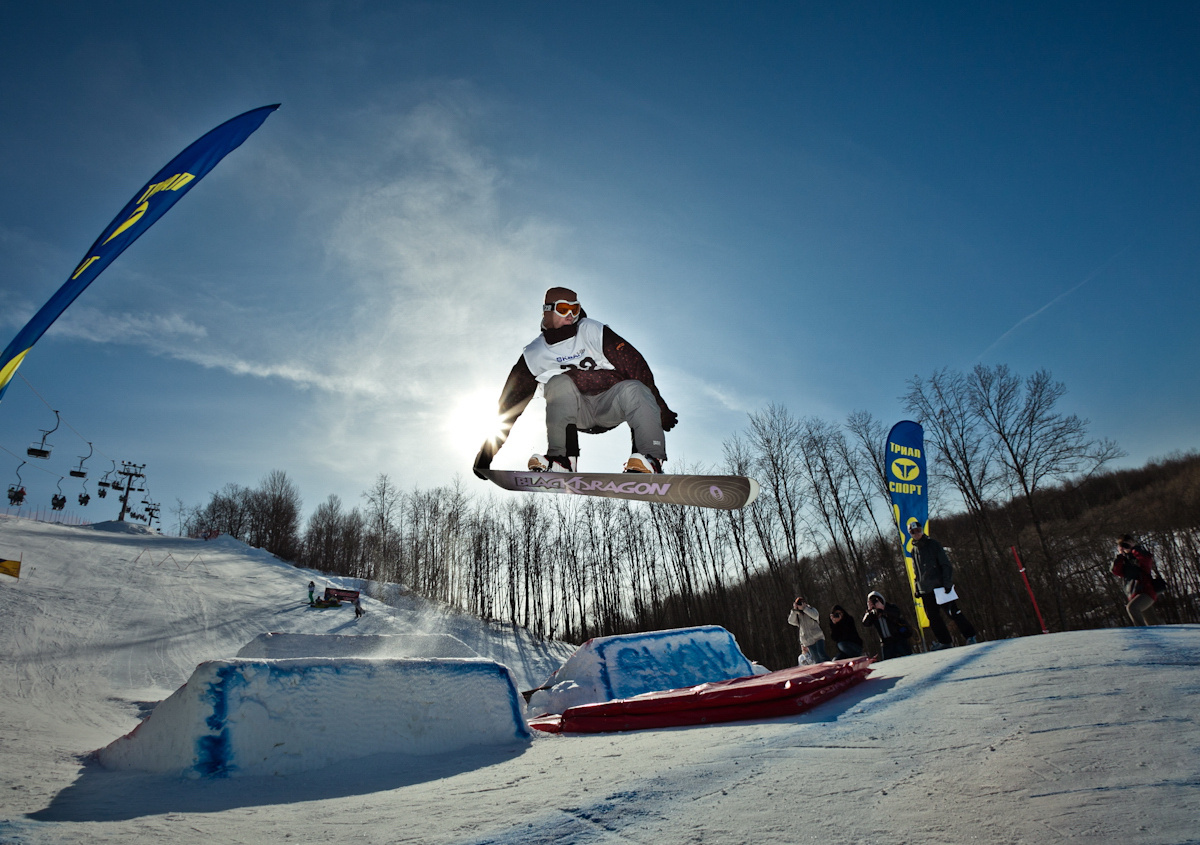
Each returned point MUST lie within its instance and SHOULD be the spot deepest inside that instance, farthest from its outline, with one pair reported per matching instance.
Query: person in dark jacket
(845, 634)
(889, 623)
(1135, 566)
(593, 380)
(933, 570)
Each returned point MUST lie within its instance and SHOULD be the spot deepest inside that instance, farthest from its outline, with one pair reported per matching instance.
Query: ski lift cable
(92, 450)
(32, 466)
(65, 422)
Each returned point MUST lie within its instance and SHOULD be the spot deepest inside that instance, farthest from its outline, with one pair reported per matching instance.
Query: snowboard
(724, 492)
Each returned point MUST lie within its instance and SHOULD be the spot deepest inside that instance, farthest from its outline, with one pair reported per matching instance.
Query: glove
(669, 418)
(483, 461)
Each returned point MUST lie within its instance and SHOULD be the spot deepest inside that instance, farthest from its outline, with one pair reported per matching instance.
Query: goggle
(563, 307)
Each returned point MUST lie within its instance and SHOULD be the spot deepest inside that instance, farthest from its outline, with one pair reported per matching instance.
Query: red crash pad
(782, 693)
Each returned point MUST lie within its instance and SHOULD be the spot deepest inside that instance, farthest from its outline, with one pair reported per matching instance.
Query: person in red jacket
(1135, 566)
(593, 380)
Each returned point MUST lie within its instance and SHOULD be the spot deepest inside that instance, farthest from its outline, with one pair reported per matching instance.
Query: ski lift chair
(16, 492)
(80, 472)
(42, 450)
(104, 483)
(59, 500)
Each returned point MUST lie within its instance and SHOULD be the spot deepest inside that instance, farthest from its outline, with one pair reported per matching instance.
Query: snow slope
(1087, 736)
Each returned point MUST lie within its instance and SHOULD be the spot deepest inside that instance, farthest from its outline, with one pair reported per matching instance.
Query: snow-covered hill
(1087, 736)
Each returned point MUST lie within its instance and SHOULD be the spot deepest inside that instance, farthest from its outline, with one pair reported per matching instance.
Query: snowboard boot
(643, 463)
(551, 463)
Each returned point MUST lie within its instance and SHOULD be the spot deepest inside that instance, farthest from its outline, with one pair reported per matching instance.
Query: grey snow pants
(627, 401)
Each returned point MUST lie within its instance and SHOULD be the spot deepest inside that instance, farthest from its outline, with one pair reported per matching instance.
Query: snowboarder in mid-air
(593, 380)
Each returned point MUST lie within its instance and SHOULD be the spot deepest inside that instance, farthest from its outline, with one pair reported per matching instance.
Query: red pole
(1021, 567)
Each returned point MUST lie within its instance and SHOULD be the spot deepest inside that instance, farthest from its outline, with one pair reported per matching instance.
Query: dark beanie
(555, 294)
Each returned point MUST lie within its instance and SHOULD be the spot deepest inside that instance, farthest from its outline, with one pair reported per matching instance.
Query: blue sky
(793, 203)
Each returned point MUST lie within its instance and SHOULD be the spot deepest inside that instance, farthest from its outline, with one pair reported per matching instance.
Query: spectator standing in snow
(845, 634)
(889, 623)
(311, 589)
(358, 611)
(812, 639)
(1135, 566)
(933, 570)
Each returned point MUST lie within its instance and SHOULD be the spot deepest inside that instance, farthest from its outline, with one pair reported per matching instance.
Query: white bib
(584, 351)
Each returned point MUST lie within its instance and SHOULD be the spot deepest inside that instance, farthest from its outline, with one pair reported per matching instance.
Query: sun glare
(472, 420)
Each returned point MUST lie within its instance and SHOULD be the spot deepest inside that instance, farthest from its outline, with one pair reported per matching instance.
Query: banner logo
(905, 469)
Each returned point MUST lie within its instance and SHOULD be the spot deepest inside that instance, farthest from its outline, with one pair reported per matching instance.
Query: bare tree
(774, 439)
(228, 511)
(277, 506)
(323, 535)
(964, 455)
(382, 538)
(869, 435)
(834, 495)
(1035, 443)
(867, 460)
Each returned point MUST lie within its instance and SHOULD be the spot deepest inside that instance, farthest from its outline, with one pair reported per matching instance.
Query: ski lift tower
(131, 472)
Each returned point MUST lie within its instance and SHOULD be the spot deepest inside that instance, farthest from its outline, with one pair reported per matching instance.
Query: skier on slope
(593, 380)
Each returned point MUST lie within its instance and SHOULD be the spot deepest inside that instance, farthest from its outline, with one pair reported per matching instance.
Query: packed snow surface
(1083, 737)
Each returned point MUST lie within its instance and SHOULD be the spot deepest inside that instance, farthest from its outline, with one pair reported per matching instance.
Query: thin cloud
(153, 330)
(1050, 304)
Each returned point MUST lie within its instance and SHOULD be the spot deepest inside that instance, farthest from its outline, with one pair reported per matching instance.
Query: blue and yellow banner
(907, 486)
(163, 190)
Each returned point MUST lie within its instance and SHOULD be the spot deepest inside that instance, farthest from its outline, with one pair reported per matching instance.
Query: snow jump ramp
(273, 717)
(607, 668)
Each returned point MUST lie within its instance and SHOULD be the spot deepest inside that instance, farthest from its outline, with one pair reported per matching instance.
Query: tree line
(1014, 477)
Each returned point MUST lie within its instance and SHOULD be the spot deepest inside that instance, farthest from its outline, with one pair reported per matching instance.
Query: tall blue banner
(163, 190)
(907, 486)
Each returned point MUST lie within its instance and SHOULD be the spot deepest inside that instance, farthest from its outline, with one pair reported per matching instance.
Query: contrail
(1052, 302)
